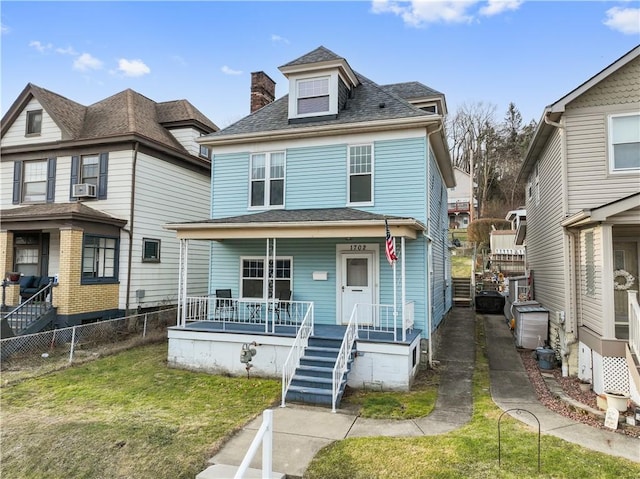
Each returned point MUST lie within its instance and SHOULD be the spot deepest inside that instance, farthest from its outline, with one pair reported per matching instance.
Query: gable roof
(127, 112)
(552, 113)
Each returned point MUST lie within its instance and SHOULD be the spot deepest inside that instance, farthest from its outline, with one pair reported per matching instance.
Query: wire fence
(33, 355)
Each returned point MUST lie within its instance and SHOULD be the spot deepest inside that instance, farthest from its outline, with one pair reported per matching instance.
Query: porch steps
(312, 382)
(462, 292)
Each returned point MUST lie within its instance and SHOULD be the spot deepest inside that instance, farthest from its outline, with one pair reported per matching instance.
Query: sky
(531, 53)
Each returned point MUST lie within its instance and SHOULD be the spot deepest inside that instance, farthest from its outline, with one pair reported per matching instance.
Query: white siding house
(138, 166)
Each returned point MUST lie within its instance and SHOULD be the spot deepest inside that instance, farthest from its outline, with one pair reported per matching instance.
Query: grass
(124, 416)
(460, 266)
(469, 452)
(418, 402)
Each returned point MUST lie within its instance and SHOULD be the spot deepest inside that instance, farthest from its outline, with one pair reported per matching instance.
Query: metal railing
(342, 361)
(268, 313)
(263, 437)
(31, 309)
(297, 351)
(634, 322)
(378, 318)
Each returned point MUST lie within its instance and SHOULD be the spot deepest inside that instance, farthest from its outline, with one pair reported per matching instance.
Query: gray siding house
(583, 225)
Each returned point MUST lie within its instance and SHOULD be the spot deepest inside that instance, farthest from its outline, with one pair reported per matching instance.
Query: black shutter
(17, 182)
(75, 172)
(102, 180)
(44, 254)
(51, 180)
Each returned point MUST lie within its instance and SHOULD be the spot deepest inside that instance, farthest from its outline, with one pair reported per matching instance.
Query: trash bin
(546, 358)
(490, 302)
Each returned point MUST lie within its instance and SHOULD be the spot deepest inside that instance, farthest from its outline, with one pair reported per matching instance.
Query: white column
(608, 308)
(403, 294)
(185, 266)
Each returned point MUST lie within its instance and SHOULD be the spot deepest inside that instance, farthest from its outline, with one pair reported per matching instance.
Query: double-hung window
(313, 96)
(90, 169)
(257, 280)
(34, 181)
(267, 180)
(34, 122)
(624, 142)
(360, 174)
(99, 259)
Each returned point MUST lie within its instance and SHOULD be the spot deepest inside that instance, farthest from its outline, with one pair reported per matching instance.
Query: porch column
(182, 281)
(403, 293)
(608, 308)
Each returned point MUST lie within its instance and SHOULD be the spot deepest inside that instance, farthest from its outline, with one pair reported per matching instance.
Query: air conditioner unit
(84, 190)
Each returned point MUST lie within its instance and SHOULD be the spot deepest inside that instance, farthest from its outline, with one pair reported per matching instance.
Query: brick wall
(6, 252)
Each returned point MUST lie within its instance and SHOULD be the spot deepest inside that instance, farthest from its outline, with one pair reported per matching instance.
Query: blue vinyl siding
(316, 177)
(320, 255)
(229, 185)
(438, 228)
(400, 170)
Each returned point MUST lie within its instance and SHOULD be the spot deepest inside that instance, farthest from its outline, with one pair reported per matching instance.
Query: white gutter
(292, 224)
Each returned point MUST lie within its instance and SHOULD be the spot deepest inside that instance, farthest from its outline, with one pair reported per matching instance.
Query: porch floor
(331, 331)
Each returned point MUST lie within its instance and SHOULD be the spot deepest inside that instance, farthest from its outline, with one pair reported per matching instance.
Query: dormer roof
(320, 59)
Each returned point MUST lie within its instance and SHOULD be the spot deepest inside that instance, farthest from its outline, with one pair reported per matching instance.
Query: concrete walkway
(301, 431)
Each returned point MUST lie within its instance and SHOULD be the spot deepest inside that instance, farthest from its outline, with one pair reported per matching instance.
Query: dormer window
(34, 122)
(313, 95)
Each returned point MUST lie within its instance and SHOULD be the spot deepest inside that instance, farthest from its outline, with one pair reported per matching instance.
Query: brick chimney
(263, 90)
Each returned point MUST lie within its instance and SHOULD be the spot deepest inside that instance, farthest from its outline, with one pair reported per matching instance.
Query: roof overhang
(603, 213)
(338, 64)
(218, 231)
(552, 114)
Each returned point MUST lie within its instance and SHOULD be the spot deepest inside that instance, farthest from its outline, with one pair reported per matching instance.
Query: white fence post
(144, 328)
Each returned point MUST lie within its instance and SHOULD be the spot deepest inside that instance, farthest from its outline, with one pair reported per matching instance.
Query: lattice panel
(616, 374)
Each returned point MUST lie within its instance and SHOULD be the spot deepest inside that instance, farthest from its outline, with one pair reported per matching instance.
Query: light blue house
(302, 189)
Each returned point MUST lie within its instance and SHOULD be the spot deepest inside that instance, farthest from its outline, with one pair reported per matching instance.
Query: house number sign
(357, 247)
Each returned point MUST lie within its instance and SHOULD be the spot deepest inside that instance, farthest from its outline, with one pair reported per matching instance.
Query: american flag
(390, 247)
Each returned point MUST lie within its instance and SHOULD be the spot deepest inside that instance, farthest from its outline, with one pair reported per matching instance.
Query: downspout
(552, 123)
(427, 236)
(130, 230)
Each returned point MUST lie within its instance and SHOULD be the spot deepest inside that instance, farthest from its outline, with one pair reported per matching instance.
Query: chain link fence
(32, 355)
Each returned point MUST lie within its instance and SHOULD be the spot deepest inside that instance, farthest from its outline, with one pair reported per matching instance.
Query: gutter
(130, 230)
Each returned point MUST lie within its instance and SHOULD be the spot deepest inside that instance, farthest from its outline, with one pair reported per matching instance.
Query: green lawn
(460, 266)
(124, 416)
(469, 452)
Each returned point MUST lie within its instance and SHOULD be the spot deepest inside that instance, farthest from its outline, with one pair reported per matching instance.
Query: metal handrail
(296, 352)
(27, 312)
(350, 335)
(263, 437)
(634, 322)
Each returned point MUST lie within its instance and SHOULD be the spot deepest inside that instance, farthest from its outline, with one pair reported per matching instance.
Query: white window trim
(360, 203)
(333, 94)
(265, 285)
(267, 181)
(612, 169)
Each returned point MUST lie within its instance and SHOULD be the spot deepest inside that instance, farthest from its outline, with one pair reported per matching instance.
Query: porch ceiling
(317, 223)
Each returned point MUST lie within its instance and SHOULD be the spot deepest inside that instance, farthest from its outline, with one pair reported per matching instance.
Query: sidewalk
(301, 431)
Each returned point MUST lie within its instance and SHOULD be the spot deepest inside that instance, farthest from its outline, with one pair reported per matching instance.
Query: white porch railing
(634, 322)
(342, 361)
(297, 351)
(264, 437)
(229, 311)
(378, 318)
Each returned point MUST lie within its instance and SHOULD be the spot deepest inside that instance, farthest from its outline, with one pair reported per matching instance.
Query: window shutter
(51, 180)
(75, 172)
(17, 182)
(102, 180)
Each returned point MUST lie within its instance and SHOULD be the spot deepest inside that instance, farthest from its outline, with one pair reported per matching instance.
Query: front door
(357, 282)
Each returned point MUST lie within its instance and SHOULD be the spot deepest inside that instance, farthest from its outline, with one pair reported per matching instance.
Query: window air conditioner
(84, 190)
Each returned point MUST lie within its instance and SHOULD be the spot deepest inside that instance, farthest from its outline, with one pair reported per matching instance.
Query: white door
(357, 282)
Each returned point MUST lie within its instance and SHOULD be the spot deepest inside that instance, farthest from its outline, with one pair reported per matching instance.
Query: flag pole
(395, 295)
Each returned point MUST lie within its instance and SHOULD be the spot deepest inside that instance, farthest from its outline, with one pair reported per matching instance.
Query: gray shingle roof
(317, 214)
(67, 113)
(411, 90)
(180, 111)
(364, 106)
(320, 54)
(57, 211)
